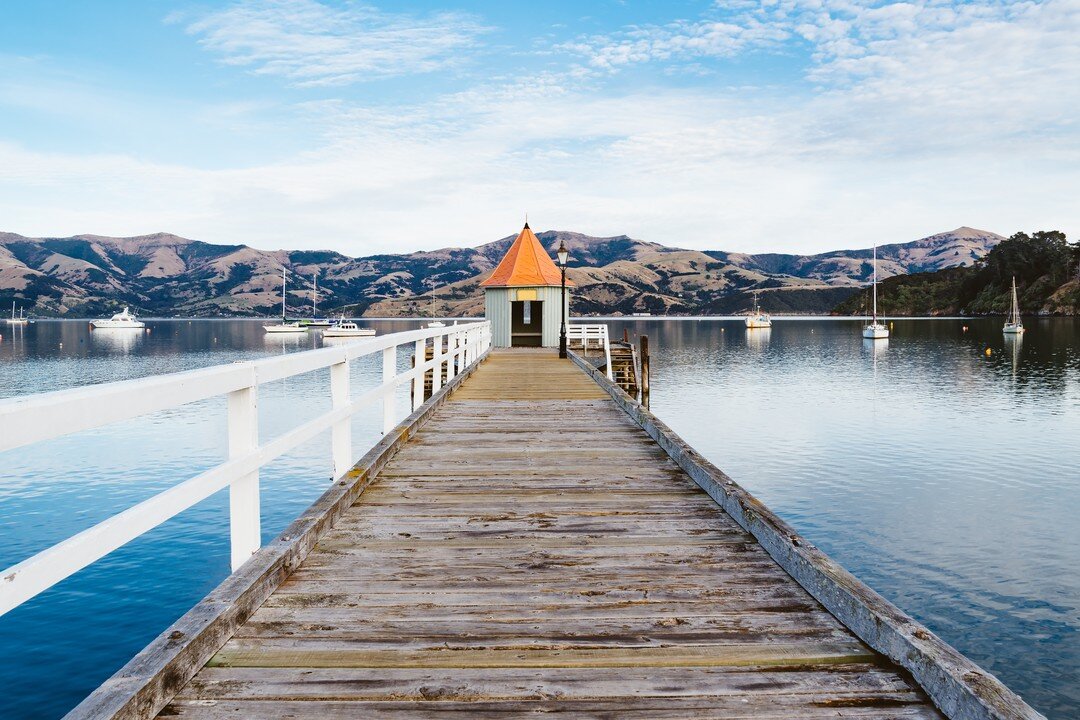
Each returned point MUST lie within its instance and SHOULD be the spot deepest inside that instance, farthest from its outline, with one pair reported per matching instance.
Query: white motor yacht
(347, 328)
(121, 320)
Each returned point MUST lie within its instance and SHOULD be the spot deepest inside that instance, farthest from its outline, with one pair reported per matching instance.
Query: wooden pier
(532, 543)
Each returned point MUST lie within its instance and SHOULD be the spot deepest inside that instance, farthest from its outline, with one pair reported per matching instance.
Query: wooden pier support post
(645, 371)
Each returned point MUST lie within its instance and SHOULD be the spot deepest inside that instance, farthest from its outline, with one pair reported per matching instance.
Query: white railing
(42, 417)
(597, 335)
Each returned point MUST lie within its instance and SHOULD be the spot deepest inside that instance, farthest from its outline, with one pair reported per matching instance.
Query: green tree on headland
(1044, 264)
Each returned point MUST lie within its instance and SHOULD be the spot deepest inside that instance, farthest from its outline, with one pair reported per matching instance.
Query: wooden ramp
(531, 551)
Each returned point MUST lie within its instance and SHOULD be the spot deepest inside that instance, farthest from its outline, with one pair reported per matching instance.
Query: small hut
(522, 296)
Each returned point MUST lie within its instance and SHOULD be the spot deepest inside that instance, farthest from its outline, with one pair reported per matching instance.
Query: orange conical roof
(525, 264)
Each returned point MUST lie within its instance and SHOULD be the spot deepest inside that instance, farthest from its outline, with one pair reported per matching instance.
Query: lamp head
(563, 253)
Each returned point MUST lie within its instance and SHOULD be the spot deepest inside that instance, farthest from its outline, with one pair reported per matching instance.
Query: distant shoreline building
(522, 296)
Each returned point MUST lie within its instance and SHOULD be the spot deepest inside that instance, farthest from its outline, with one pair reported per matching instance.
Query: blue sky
(790, 125)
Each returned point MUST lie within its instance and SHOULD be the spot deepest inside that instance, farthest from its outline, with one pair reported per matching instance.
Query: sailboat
(434, 323)
(875, 330)
(1013, 324)
(283, 326)
(315, 321)
(758, 319)
(16, 320)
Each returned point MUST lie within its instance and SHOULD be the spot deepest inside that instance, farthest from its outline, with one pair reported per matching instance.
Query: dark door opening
(526, 323)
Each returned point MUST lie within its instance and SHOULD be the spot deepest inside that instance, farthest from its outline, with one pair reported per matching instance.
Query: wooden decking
(532, 550)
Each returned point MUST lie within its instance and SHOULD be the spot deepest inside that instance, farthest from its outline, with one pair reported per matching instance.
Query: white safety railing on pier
(43, 417)
(595, 335)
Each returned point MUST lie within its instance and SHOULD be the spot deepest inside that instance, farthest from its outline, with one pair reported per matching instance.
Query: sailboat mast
(1014, 311)
(875, 284)
(282, 293)
(315, 296)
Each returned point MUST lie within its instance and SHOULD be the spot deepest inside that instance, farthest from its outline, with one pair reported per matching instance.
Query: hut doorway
(526, 323)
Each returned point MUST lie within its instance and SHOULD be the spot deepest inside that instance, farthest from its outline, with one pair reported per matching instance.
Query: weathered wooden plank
(700, 708)
(541, 602)
(329, 653)
(553, 583)
(370, 628)
(465, 684)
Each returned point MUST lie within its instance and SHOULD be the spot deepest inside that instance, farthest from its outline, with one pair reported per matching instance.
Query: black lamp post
(563, 254)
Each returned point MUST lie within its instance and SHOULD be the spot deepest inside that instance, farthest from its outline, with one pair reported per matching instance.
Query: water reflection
(1014, 343)
(289, 342)
(118, 340)
(757, 339)
(875, 348)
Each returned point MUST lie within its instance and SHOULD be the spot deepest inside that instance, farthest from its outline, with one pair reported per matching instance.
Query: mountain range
(167, 275)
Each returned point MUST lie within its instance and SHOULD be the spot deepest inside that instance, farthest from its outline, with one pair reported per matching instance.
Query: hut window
(526, 313)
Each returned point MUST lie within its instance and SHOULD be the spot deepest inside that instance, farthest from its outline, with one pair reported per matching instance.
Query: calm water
(943, 477)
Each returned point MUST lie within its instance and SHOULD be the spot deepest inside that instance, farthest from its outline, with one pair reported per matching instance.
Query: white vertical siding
(497, 311)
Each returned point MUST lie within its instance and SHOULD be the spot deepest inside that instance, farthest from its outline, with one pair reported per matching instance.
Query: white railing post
(389, 370)
(418, 379)
(607, 353)
(436, 354)
(454, 344)
(341, 435)
(244, 518)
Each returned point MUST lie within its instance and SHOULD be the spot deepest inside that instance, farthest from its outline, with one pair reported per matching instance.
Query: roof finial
(526, 218)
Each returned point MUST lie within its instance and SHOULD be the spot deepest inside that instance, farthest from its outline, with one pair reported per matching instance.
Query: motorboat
(758, 319)
(120, 321)
(347, 328)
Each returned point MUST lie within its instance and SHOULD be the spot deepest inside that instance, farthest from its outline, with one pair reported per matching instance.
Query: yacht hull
(117, 325)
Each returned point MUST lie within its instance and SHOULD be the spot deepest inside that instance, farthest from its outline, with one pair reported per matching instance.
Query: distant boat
(434, 323)
(315, 321)
(19, 320)
(120, 321)
(758, 319)
(283, 326)
(1013, 324)
(641, 314)
(875, 330)
(347, 328)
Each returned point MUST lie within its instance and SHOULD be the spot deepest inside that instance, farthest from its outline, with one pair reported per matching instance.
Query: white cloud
(311, 43)
(915, 118)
